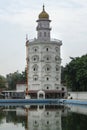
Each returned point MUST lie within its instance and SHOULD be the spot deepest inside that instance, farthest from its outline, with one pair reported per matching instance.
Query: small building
(21, 87)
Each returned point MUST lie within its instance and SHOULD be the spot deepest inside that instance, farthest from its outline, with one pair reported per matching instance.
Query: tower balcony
(42, 28)
(52, 41)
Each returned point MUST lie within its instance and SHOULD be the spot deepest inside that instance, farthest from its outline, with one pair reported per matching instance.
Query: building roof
(47, 91)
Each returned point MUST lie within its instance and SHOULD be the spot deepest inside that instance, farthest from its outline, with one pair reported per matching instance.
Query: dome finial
(43, 7)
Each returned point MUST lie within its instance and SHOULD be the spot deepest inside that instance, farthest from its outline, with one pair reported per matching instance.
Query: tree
(2, 82)
(14, 78)
(75, 74)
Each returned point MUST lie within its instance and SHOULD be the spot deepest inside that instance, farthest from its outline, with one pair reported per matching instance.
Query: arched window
(47, 113)
(35, 58)
(47, 122)
(47, 87)
(47, 58)
(46, 49)
(35, 77)
(57, 68)
(35, 49)
(47, 68)
(47, 78)
(35, 68)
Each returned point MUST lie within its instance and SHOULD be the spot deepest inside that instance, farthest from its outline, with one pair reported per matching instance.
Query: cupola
(43, 14)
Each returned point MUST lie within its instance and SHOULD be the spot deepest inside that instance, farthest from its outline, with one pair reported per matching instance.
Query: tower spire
(43, 7)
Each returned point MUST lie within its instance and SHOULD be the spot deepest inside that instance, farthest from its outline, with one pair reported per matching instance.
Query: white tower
(44, 72)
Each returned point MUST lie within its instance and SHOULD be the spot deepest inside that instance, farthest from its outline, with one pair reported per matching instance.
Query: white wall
(78, 109)
(77, 95)
(21, 87)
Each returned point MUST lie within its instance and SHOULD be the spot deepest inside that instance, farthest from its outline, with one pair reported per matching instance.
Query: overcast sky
(18, 18)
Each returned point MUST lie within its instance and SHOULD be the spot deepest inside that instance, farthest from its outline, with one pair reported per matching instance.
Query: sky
(18, 18)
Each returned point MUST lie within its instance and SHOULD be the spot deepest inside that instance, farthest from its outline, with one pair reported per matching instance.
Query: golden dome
(43, 14)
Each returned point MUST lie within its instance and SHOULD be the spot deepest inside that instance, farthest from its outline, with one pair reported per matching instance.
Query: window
(47, 113)
(47, 122)
(35, 122)
(44, 34)
(47, 78)
(47, 87)
(57, 68)
(35, 49)
(35, 58)
(35, 68)
(35, 77)
(63, 89)
(48, 69)
(46, 49)
(40, 34)
(57, 87)
(47, 58)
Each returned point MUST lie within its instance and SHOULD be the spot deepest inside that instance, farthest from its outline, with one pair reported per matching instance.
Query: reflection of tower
(44, 119)
(44, 61)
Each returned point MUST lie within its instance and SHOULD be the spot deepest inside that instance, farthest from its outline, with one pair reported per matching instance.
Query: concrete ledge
(75, 102)
(30, 101)
(42, 101)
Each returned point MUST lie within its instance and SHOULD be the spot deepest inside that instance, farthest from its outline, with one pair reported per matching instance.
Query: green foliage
(74, 121)
(74, 74)
(14, 78)
(2, 116)
(2, 82)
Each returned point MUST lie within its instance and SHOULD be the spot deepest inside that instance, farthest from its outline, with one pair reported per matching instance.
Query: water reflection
(76, 118)
(43, 117)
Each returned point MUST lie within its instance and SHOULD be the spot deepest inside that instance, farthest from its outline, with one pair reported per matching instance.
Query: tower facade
(44, 62)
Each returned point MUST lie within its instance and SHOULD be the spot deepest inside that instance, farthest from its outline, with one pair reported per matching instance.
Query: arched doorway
(41, 95)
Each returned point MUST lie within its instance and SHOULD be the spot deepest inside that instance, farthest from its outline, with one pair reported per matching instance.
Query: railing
(52, 40)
